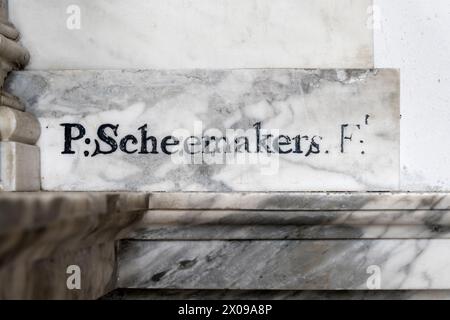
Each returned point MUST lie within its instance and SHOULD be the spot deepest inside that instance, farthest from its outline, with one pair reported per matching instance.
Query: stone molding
(289, 241)
(196, 241)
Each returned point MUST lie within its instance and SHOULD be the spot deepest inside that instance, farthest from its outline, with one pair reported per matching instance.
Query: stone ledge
(310, 223)
(42, 233)
(288, 241)
(314, 201)
(26, 210)
(38, 225)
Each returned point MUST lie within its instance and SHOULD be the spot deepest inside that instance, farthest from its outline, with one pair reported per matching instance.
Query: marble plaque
(173, 34)
(222, 130)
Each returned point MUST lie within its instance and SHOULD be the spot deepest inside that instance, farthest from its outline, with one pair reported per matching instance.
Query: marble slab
(106, 34)
(285, 265)
(285, 129)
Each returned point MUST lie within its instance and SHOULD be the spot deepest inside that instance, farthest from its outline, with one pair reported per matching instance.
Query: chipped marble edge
(286, 232)
(295, 217)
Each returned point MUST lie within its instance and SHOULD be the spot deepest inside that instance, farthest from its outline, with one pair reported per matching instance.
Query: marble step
(215, 130)
(302, 201)
(105, 34)
(294, 216)
(291, 225)
(289, 241)
(285, 265)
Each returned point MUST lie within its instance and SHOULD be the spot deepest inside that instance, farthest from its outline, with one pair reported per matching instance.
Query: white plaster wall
(414, 35)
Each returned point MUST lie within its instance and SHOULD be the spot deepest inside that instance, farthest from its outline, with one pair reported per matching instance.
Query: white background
(414, 35)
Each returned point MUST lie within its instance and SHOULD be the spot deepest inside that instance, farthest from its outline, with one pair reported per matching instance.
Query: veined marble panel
(285, 129)
(106, 34)
(285, 265)
(304, 201)
(287, 232)
(283, 225)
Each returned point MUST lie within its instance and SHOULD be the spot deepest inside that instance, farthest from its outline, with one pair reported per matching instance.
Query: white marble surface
(195, 33)
(413, 35)
(293, 102)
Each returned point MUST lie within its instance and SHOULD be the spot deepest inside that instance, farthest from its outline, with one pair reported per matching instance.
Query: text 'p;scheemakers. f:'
(253, 140)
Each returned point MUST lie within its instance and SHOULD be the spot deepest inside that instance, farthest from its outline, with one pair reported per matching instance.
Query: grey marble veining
(294, 215)
(301, 244)
(38, 225)
(285, 129)
(107, 34)
(280, 225)
(285, 265)
(37, 210)
(297, 217)
(309, 201)
(287, 232)
(289, 241)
